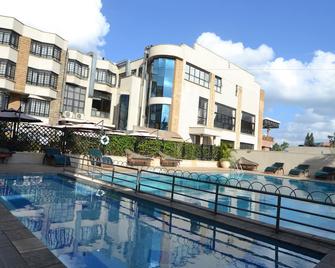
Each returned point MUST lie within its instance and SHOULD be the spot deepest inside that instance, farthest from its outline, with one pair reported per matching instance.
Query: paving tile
(29, 244)
(10, 225)
(18, 234)
(4, 241)
(40, 258)
(10, 258)
(58, 265)
(5, 217)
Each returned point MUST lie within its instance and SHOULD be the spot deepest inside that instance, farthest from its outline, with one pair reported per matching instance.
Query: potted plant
(225, 155)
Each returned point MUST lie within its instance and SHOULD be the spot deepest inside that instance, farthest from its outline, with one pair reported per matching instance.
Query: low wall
(313, 157)
(26, 158)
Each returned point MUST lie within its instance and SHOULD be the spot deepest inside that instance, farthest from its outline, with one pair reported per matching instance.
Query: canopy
(12, 115)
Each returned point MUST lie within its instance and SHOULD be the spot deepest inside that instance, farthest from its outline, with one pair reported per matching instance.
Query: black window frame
(222, 120)
(218, 84)
(202, 111)
(73, 104)
(37, 107)
(247, 146)
(9, 69)
(80, 70)
(103, 98)
(13, 39)
(107, 77)
(35, 76)
(46, 50)
(248, 126)
(197, 75)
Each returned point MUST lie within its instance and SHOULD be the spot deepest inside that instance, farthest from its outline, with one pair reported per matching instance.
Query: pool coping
(19, 247)
(295, 238)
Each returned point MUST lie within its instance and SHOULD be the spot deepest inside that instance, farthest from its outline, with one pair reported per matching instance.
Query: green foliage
(309, 140)
(191, 151)
(118, 144)
(174, 149)
(225, 152)
(280, 147)
(149, 147)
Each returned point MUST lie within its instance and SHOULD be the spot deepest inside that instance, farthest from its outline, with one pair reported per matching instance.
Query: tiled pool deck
(20, 248)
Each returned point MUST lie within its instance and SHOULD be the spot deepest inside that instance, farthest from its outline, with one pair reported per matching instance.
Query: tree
(280, 147)
(309, 139)
(332, 140)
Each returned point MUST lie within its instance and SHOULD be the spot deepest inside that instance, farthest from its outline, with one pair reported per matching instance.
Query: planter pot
(224, 164)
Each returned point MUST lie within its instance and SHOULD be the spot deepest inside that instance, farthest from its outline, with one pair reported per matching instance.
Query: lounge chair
(275, 168)
(134, 159)
(299, 170)
(246, 164)
(5, 154)
(326, 173)
(97, 158)
(168, 161)
(53, 156)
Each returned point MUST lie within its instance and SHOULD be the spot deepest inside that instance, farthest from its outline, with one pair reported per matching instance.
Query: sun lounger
(97, 158)
(134, 159)
(5, 154)
(275, 168)
(246, 164)
(299, 170)
(53, 156)
(168, 161)
(326, 173)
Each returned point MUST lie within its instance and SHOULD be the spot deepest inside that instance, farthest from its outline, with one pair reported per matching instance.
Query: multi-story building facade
(190, 91)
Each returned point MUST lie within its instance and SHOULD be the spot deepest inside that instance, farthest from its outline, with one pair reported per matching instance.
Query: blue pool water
(241, 206)
(86, 229)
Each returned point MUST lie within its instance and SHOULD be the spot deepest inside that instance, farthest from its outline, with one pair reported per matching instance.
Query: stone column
(211, 102)
(238, 116)
(260, 119)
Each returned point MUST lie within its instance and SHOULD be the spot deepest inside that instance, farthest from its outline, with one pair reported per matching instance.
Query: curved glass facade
(159, 116)
(161, 77)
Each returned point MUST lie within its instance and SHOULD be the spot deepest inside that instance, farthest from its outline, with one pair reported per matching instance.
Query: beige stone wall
(239, 92)
(176, 96)
(260, 119)
(22, 63)
(55, 105)
(211, 103)
(290, 160)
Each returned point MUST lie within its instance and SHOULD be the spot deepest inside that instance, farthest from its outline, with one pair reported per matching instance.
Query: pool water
(241, 206)
(85, 227)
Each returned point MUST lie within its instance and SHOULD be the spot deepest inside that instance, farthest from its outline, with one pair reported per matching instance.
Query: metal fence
(313, 211)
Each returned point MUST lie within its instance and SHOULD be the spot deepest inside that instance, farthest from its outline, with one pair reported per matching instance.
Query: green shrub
(149, 147)
(118, 144)
(174, 149)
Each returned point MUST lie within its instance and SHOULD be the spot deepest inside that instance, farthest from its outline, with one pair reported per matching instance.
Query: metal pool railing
(176, 186)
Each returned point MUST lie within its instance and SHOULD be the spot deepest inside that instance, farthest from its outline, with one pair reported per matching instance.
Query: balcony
(267, 142)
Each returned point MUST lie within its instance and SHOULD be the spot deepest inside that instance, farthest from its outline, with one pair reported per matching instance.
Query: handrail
(137, 179)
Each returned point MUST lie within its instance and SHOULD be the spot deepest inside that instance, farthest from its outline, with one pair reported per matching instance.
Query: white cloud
(78, 21)
(308, 85)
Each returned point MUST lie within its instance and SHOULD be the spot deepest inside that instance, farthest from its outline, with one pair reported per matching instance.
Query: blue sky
(287, 45)
(293, 29)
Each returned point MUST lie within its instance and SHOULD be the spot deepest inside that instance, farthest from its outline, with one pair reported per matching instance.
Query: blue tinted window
(159, 116)
(162, 76)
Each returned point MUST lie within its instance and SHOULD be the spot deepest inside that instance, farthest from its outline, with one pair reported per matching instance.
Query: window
(4, 98)
(123, 112)
(218, 84)
(140, 70)
(101, 104)
(77, 68)
(159, 116)
(9, 37)
(224, 117)
(202, 111)
(248, 123)
(37, 107)
(133, 72)
(7, 68)
(247, 146)
(105, 77)
(42, 78)
(45, 50)
(121, 76)
(196, 75)
(161, 77)
(74, 98)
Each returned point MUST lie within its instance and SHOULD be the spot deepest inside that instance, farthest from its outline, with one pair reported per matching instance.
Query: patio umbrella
(12, 115)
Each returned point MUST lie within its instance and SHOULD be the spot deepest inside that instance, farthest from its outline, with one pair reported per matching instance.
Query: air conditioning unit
(67, 114)
(79, 116)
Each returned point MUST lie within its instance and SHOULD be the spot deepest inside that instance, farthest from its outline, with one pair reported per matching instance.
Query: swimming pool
(84, 228)
(239, 201)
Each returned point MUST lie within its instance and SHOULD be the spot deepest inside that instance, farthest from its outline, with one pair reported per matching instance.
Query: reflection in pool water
(86, 230)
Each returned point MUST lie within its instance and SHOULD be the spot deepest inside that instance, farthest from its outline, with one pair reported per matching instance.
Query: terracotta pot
(224, 164)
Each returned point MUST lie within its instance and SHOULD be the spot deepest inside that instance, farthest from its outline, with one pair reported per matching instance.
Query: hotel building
(190, 91)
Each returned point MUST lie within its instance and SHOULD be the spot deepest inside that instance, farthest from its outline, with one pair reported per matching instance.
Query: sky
(288, 45)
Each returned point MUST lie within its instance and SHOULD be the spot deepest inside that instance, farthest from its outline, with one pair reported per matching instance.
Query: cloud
(78, 21)
(307, 85)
